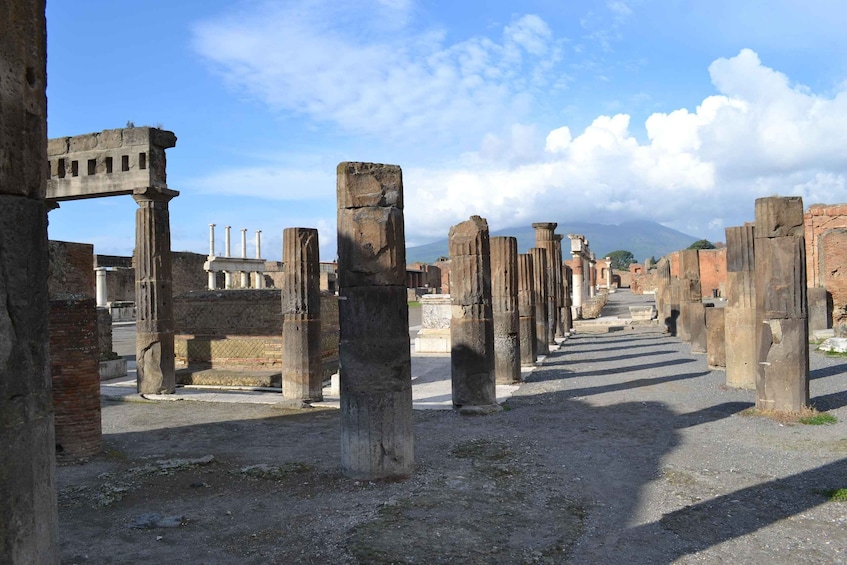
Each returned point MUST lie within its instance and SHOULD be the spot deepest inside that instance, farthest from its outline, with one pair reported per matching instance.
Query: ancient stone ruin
(375, 373)
(504, 302)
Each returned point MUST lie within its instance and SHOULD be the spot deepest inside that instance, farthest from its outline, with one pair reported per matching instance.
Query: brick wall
(74, 366)
(832, 251)
(644, 282)
(71, 270)
(242, 329)
(820, 218)
(712, 272)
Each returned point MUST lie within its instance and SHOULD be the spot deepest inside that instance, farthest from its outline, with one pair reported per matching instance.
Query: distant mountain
(643, 238)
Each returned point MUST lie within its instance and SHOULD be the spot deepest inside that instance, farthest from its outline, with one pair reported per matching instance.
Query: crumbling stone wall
(644, 282)
(242, 330)
(826, 258)
(71, 270)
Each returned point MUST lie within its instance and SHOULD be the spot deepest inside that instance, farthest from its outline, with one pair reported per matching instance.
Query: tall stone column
(609, 273)
(526, 310)
(29, 520)
(154, 343)
(302, 372)
(471, 326)
(540, 285)
(545, 238)
(212, 284)
(740, 326)
(690, 294)
(567, 306)
(377, 436)
(663, 291)
(227, 249)
(101, 292)
(578, 282)
(592, 276)
(504, 305)
(782, 378)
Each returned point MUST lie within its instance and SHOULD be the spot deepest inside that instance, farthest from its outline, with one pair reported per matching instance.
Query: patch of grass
(414, 304)
(835, 354)
(837, 495)
(807, 415)
(819, 419)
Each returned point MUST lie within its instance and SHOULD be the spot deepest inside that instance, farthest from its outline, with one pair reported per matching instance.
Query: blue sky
(680, 112)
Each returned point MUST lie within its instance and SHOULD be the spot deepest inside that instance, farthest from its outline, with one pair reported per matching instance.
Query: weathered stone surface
(740, 327)
(377, 436)
(545, 238)
(526, 310)
(779, 217)
(504, 301)
(471, 328)
(689, 288)
(154, 294)
(567, 306)
(28, 525)
(434, 336)
(663, 292)
(716, 337)
(818, 298)
(540, 286)
(782, 377)
(302, 375)
(740, 255)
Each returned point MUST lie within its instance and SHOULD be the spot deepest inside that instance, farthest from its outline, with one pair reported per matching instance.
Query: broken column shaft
(302, 373)
(154, 324)
(545, 238)
(374, 351)
(471, 325)
(740, 326)
(504, 304)
(782, 379)
(526, 310)
(540, 286)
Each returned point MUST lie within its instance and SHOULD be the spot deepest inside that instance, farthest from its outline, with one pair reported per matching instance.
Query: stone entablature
(110, 162)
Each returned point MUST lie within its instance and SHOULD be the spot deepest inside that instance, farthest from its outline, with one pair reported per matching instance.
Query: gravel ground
(622, 448)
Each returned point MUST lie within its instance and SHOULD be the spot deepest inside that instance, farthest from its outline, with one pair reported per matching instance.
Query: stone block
(779, 217)
(819, 318)
(372, 239)
(696, 319)
(716, 337)
(782, 376)
(369, 185)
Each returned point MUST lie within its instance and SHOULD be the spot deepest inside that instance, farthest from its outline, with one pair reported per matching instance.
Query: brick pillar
(545, 238)
(29, 521)
(75, 368)
(690, 299)
(504, 306)
(302, 373)
(782, 379)
(377, 437)
(154, 344)
(539, 284)
(526, 310)
(741, 363)
(471, 326)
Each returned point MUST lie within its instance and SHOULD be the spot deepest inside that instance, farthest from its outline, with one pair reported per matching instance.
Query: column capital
(153, 194)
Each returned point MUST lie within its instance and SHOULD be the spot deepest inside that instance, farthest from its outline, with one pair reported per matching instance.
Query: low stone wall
(221, 334)
(591, 307)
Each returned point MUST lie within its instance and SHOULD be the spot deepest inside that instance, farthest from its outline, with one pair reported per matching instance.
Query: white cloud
(698, 170)
(389, 82)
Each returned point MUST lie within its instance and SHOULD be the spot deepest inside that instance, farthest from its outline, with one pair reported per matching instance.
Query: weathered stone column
(592, 276)
(28, 525)
(302, 374)
(782, 379)
(377, 436)
(545, 238)
(716, 338)
(690, 294)
(504, 305)
(609, 273)
(471, 326)
(663, 288)
(101, 292)
(540, 286)
(227, 274)
(154, 344)
(526, 310)
(212, 279)
(567, 306)
(578, 275)
(741, 326)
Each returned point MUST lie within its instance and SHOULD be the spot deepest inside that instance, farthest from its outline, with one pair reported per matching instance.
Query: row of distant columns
(258, 276)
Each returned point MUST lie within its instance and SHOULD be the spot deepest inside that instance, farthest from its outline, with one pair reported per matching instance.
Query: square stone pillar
(302, 371)
(471, 326)
(690, 294)
(377, 436)
(716, 338)
(29, 521)
(741, 326)
(526, 310)
(663, 291)
(540, 286)
(782, 377)
(154, 344)
(504, 305)
(567, 306)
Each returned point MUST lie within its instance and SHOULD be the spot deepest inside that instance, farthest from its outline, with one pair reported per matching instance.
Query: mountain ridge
(643, 238)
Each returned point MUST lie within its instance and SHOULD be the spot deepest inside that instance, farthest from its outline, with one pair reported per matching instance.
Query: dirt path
(623, 448)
